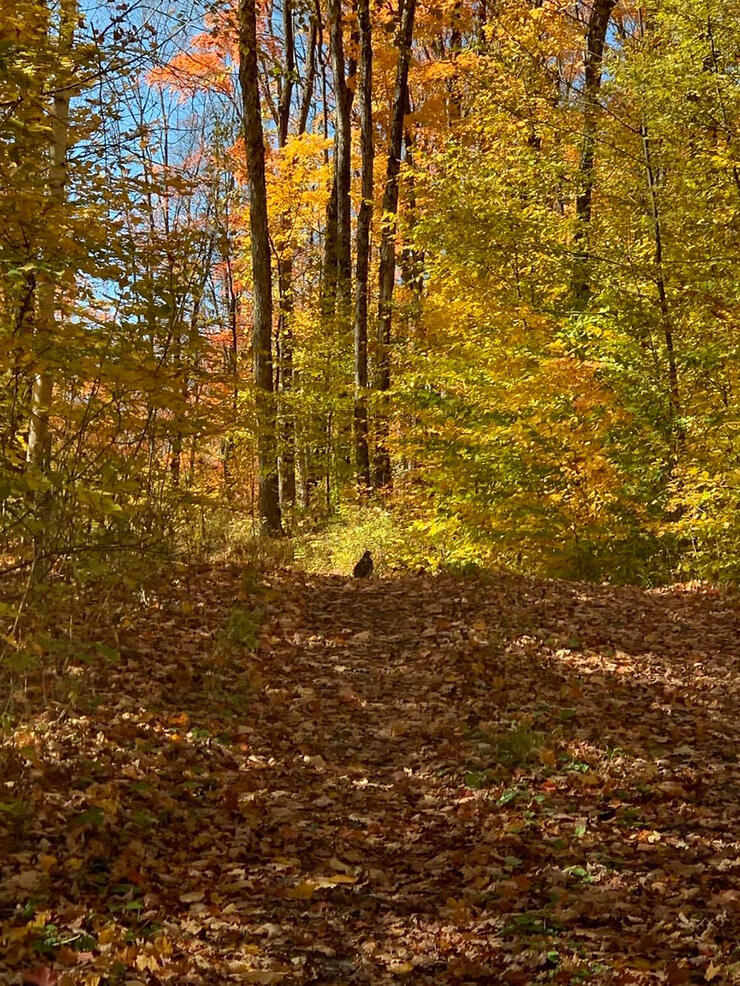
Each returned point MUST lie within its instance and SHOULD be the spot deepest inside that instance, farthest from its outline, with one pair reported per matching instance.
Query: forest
(471, 266)
(369, 492)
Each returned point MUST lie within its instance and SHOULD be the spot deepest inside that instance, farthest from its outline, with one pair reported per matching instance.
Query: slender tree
(598, 25)
(676, 435)
(387, 271)
(655, 180)
(364, 222)
(342, 152)
(46, 328)
(288, 74)
(269, 497)
(285, 279)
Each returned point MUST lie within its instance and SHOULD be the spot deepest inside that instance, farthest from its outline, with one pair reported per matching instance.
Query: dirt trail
(406, 781)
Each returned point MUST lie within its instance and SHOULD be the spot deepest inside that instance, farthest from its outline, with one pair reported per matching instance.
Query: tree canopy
(474, 264)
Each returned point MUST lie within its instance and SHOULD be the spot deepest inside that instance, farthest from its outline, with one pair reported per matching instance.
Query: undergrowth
(398, 542)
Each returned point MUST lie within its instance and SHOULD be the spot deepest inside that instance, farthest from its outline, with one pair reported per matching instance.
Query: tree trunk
(288, 75)
(43, 383)
(412, 260)
(269, 501)
(342, 151)
(598, 26)
(285, 334)
(676, 434)
(328, 290)
(327, 286)
(387, 273)
(309, 455)
(232, 363)
(286, 459)
(364, 223)
(308, 86)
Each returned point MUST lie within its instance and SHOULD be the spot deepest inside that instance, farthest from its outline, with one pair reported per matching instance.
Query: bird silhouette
(364, 567)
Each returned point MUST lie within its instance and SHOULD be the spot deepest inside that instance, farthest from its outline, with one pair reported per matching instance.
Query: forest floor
(309, 779)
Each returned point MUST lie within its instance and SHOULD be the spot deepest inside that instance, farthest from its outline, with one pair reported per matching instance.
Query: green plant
(242, 628)
(516, 747)
(338, 545)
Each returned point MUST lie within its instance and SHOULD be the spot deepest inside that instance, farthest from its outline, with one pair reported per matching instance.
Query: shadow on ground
(421, 780)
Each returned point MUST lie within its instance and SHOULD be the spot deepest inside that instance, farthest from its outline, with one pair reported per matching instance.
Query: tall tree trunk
(412, 259)
(328, 285)
(387, 272)
(328, 290)
(676, 434)
(286, 460)
(598, 25)
(269, 499)
(364, 222)
(287, 305)
(336, 281)
(342, 151)
(288, 74)
(308, 85)
(43, 383)
(232, 365)
(285, 335)
(311, 432)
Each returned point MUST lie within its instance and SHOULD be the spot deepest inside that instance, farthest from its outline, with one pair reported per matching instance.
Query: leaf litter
(309, 779)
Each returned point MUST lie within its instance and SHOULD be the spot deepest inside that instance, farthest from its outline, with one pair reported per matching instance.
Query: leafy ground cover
(308, 779)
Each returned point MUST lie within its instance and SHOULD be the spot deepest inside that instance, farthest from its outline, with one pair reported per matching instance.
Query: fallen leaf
(192, 897)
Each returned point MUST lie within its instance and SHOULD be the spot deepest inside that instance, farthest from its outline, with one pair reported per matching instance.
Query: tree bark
(598, 26)
(232, 353)
(308, 85)
(285, 335)
(269, 500)
(387, 272)
(288, 74)
(328, 290)
(412, 260)
(676, 433)
(286, 459)
(364, 223)
(46, 328)
(342, 151)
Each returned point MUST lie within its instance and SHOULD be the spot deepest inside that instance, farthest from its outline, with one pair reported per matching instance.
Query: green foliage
(16, 809)
(242, 628)
(548, 431)
(399, 541)
(516, 747)
(353, 530)
(587, 436)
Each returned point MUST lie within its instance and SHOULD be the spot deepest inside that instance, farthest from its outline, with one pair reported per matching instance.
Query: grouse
(364, 567)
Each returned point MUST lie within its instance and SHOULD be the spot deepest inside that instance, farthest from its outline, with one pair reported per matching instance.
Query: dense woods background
(460, 277)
